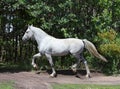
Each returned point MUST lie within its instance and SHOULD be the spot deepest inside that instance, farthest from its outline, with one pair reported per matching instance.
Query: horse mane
(39, 29)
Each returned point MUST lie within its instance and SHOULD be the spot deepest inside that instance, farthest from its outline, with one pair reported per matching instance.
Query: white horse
(50, 46)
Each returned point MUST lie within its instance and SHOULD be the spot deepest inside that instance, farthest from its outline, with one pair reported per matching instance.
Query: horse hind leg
(88, 75)
(79, 59)
(74, 67)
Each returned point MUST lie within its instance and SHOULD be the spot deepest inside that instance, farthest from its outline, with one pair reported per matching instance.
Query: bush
(111, 49)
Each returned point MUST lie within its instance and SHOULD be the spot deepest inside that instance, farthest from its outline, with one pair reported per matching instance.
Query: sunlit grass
(84, 86)
(6, 85)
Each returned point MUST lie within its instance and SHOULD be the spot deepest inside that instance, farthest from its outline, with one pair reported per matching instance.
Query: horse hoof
(74, 69)
(38, 72)
(88, 76)
(53, 75)
(35, 66)
(77, 75)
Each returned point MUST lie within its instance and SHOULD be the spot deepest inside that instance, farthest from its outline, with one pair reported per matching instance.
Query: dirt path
(31, 80)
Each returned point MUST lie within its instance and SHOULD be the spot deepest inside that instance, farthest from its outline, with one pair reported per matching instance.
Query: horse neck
(39, 35)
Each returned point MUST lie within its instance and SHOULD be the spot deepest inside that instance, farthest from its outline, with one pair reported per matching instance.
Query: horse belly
(59, 52)
(55, 47)
(59, 49)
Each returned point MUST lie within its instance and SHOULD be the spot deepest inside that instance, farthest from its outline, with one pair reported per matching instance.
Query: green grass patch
(84, 86)
(6, 85)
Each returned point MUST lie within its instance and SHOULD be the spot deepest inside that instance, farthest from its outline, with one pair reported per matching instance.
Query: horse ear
(28, 25)
(31, 25)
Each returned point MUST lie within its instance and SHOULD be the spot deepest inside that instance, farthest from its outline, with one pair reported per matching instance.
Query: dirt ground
(32, 80)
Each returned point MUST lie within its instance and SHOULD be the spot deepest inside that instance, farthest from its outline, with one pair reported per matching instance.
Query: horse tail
(92, 49)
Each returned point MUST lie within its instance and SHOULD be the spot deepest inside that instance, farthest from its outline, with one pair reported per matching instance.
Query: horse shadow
(69, 72)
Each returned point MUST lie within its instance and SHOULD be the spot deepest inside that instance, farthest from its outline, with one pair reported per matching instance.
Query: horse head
(28, 34)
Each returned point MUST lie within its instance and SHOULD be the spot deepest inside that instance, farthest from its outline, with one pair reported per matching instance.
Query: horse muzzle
(23, 39)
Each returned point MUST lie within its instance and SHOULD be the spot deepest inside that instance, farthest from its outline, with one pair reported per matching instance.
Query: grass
(84, 86)
(6, 85)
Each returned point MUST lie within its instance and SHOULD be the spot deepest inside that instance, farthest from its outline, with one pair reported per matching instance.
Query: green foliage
(12, 67)
(103, 21)
(109, 46)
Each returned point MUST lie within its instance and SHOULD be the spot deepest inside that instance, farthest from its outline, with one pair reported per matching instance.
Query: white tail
(92, 49)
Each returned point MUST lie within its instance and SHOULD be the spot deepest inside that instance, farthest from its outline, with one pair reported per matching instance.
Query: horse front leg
(33, 60)
(53, 74)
